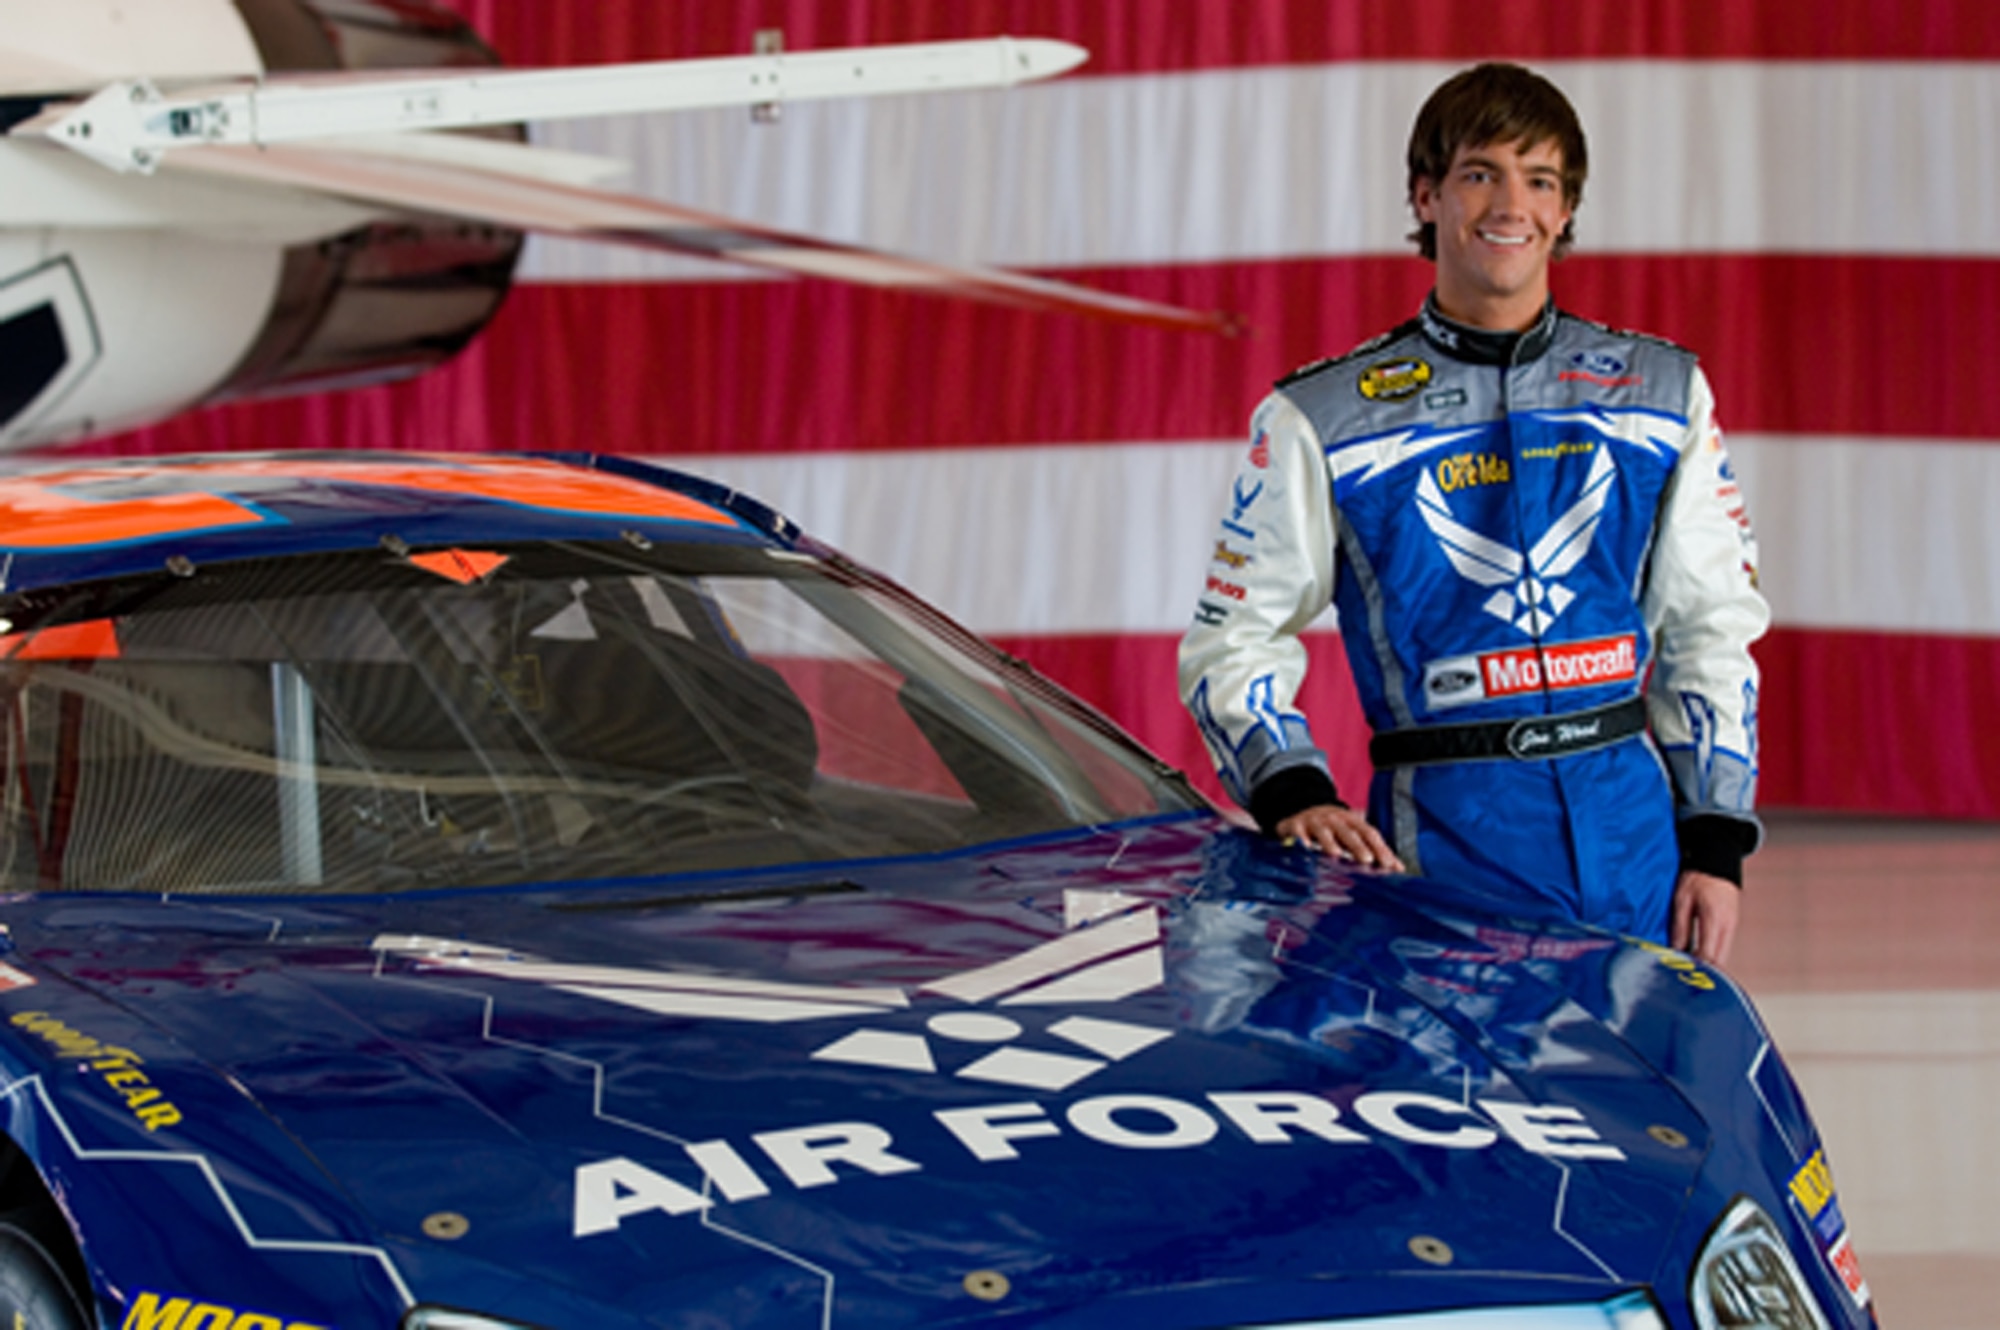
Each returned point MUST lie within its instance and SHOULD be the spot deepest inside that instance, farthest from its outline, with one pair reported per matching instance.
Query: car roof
(86, 520)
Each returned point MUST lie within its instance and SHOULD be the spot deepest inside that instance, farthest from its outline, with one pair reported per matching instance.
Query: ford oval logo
(1596, 362)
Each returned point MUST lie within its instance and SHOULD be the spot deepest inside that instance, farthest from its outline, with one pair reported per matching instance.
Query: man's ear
(1423, 198)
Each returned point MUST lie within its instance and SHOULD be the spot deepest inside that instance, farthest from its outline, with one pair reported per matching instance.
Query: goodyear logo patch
(154, 1311)
(120, 1068)
(1393, 380)
(1556, 451)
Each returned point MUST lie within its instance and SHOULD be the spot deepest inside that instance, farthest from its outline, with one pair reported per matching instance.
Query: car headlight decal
(1629, 1311)
(1746, 1279)
(447, 1318)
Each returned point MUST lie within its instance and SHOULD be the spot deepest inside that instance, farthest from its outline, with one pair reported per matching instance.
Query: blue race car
(464, 894)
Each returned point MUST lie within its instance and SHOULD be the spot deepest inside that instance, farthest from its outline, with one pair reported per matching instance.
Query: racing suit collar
(1481, 346)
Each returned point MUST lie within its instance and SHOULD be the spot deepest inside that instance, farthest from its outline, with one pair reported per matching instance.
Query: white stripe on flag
(1114, 538)
(1216, 165)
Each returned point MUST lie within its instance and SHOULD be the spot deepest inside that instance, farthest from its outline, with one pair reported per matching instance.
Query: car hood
(1169, 1062)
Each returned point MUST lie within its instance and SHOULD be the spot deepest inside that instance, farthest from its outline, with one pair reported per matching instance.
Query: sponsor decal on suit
(1461, 680)
(1230, 558)
(1601, 368)
(1393, 380)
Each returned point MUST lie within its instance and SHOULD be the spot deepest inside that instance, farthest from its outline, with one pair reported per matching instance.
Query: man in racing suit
(1545, 581)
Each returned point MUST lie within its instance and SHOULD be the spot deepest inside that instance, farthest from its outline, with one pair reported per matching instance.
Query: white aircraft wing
(128, 124)
(506, 185)
(372, 138)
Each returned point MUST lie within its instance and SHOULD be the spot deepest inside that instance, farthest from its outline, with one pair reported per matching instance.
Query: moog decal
(155, 1311)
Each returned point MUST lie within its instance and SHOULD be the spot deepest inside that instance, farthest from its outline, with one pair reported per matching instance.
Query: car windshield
(387, 721)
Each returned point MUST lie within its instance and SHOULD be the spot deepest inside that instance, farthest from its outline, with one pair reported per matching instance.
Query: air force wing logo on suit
(1527, 594)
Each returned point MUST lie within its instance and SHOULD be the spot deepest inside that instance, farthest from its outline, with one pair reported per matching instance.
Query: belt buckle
(1531, 738)
(1555, 736)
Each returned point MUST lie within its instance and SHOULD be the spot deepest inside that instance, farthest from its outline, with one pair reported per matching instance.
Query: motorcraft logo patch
(1393, 380)
(1461, 680)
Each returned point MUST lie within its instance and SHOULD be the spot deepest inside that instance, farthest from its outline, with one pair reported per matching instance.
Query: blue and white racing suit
(1546, 587)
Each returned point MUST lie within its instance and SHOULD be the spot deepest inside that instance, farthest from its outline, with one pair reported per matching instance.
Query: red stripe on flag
(1143, 36)
(1794, 345)
(1886, 723)
(1840, 720)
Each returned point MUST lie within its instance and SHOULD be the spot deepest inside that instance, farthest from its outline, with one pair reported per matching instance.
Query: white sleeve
(1270, 575)
(1703, 611)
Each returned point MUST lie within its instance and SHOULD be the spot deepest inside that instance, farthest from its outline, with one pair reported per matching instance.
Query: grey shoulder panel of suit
(1328, 367)
(1614, 367)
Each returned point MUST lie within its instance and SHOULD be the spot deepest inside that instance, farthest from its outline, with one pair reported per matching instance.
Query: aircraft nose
(1039, 57)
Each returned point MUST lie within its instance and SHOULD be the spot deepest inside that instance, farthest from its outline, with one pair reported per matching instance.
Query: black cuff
(1716, 845)
(1288, 791)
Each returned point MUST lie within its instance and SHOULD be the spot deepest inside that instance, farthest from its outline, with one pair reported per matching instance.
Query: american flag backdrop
(1807, 192)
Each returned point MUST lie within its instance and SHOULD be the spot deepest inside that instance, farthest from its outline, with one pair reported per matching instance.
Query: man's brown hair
(1495, 103)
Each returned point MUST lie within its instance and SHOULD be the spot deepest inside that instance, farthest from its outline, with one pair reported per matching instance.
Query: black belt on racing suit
(1528, 739)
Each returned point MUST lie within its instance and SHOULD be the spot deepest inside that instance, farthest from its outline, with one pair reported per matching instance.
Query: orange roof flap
(92, 639)
(461, 566)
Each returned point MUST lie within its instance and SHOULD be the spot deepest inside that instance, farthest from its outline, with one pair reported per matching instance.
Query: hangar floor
(1873, 949)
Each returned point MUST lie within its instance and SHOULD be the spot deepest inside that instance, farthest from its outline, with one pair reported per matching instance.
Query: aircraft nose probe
(127, 125)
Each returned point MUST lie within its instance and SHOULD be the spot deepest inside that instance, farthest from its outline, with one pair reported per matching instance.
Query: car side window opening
(356, 723)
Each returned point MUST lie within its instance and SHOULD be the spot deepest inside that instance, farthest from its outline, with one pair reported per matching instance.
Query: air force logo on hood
(1110, 951)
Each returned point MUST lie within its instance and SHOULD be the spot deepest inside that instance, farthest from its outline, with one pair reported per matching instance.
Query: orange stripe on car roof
(55, 510)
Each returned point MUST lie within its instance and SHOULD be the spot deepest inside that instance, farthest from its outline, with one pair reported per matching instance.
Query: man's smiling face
(1498, 211)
